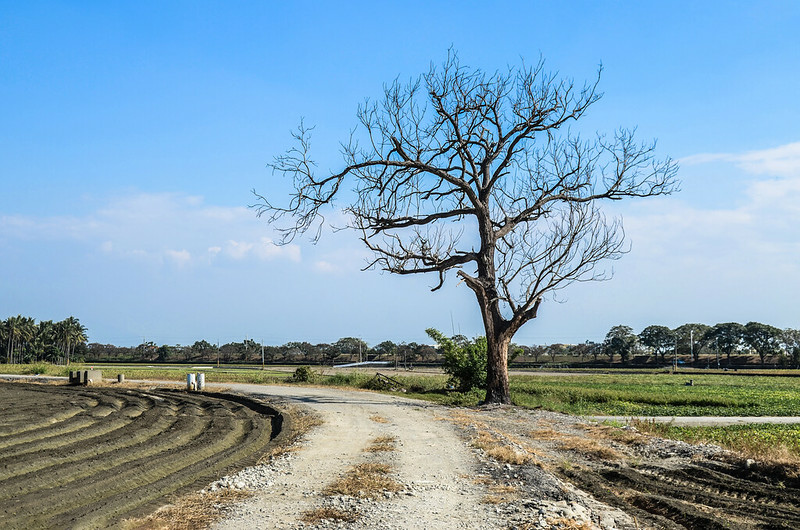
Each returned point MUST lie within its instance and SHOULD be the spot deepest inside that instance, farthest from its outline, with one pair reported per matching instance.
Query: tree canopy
(659, 338)
(620, 340)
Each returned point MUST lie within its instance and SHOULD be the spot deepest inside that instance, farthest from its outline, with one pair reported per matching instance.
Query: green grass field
(660, 394)
(617, 394)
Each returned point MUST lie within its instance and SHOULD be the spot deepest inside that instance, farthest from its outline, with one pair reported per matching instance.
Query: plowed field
(89, 457)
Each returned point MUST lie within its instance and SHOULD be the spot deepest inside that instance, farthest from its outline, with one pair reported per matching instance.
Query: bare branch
(460, 167)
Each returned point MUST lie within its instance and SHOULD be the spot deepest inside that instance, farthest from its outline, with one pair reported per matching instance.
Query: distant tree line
(714, 342)
(23, 340)
(344, 350)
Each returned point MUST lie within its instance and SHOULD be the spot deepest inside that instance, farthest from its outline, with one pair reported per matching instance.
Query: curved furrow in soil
(247, 452)
(76, 423)
(180, 434)
(89, 431)
(223, 431)
(144, 428)
(173, 441)
(26, 421)
(85, 419)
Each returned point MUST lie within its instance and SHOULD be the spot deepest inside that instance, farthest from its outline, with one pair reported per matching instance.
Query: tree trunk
(497, 370)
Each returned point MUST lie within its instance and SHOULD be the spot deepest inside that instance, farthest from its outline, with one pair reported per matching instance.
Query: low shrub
(36, 368)
(304, 374)
(464, 360)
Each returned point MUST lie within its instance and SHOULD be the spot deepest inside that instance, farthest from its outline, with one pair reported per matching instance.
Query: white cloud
(238, 249)
(324, 266)
(753, 240)
(179, 257)
(263, 249)
(159, 227)
(266, 249)
(781, 161)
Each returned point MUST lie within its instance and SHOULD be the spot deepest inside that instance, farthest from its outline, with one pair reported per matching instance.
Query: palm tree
(12, 327)
(27, 333)
(78, 334)
(4, 335)
(70, 333)
(45, 336)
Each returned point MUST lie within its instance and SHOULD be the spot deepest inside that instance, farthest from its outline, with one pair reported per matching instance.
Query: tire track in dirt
(714, 492)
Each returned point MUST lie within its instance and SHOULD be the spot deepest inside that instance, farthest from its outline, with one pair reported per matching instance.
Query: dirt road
(430, 461)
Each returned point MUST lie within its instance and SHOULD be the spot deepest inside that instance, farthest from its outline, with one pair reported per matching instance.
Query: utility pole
(675, 358)
(262, 354)
(691, 343)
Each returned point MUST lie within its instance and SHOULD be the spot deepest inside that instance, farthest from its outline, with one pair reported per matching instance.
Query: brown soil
(90, 457)
(648, 481)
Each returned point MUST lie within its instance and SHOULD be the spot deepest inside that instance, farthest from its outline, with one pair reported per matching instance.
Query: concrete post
(201, 381)
(191, 384)
(120, 378)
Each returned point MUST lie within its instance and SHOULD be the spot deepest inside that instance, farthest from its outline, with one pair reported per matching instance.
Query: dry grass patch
(367, 481)
(586, 446)
(328, 513)
(628, 437)
(501, 494)
(501, 446)
(568, 524)
(382, 443)
(590, 448)
(196, 510)
(769, 445)
(497, 449)
(378, 419)
(545, 434)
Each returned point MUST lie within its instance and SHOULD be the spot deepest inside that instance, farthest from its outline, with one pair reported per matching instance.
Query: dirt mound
(89, 457)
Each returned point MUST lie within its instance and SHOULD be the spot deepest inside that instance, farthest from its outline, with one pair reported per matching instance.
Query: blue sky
(132, 133)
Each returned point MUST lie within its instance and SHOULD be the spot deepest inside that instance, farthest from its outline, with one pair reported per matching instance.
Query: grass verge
(771, 443)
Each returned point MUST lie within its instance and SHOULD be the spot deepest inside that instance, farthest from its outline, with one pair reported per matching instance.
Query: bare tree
(478, 173)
